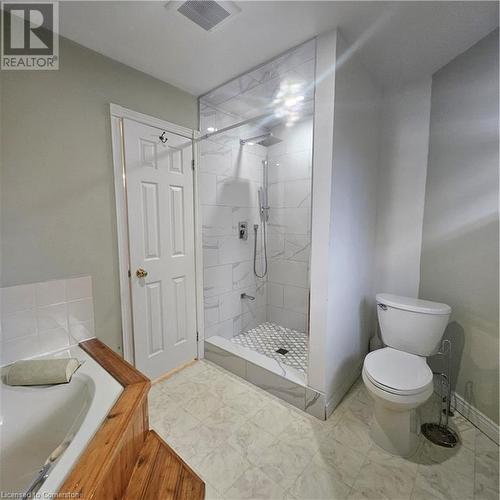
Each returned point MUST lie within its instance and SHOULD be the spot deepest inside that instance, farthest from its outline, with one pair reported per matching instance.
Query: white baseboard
(480, 420)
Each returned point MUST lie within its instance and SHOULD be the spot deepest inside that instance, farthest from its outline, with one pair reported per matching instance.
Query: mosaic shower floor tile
(285, 345)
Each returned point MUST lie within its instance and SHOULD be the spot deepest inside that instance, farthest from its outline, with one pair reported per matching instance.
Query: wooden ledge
(161, 474)
(114, 364)
(103, 470)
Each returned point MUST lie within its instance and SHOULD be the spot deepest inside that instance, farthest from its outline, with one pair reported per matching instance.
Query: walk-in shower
(255, 173)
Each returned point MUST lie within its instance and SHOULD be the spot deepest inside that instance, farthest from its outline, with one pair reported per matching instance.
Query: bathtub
(34, 421)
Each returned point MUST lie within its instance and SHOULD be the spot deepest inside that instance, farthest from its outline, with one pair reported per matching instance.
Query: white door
(159, 187)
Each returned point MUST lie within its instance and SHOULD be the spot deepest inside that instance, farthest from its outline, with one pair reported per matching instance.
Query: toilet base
(395, 431)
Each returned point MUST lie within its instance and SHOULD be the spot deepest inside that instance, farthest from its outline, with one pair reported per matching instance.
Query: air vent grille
(205, 13)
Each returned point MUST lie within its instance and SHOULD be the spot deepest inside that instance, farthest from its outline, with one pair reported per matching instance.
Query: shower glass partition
(255, 195)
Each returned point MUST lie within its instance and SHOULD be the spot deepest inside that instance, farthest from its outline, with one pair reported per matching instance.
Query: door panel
(177, 220)
(159, 186)
(154, 318)
(150, 211)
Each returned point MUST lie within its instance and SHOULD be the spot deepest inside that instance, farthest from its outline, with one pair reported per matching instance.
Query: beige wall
(58, 208)
(460, 248)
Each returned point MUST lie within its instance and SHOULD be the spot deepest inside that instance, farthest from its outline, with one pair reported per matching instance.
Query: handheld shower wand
(263, 232)
(263, 205)
(264, 217)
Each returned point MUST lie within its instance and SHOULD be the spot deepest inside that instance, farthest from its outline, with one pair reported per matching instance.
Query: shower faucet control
(243, 230)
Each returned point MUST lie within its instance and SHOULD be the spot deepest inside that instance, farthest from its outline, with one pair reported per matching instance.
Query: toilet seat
(397, 372)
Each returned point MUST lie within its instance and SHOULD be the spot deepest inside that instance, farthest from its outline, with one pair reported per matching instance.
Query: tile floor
(246, 444)
(268, 337)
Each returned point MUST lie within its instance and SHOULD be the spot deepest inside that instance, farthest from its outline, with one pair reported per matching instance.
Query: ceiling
(397, 41)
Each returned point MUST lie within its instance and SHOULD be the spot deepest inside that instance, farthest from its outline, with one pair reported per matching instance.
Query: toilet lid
(397, 371)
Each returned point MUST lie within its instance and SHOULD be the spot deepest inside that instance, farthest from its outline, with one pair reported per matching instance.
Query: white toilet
(397, 376)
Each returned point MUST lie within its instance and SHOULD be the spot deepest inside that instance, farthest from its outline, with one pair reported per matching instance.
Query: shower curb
(299, 395)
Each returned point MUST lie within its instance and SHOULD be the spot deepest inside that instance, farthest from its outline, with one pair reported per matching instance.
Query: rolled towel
(42, 371)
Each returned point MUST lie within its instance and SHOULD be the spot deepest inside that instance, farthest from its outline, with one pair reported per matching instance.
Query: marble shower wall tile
(216, 221)
(207, 188)
(215, 158)
(230, 305)
(296, 298)
(228, 181)
(217, 280)
(289, 225)
(229, 178)
(236, 192)
(275, 294)
(288, 272)
(297, 247)
(290, 166)
(253, 318)
(211, 311)
(253, 91)
(290, 220)
(287, 318)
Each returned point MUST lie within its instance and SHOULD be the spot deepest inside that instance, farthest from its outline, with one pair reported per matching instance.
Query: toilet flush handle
(383, 307)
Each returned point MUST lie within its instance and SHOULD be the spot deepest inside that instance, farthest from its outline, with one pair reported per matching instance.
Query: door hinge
(197, 336)
(192, 164)
(129, 273)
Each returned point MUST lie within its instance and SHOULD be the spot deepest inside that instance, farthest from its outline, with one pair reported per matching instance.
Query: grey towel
(42, 371)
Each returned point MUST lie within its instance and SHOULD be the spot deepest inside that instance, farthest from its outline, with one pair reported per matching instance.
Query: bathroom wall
(1, 170)
(344, 206)
(229, 178)
(352, 238)
(322, 181)
(460, 245)
(402, 168)
(289, 236)
(57, 193)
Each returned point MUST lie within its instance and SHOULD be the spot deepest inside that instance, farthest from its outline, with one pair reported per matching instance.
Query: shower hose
(263, 232)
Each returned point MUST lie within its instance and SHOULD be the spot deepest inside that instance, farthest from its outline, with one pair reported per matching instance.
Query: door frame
(117, 114)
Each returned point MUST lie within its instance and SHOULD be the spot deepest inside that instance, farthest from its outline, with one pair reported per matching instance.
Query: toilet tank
(411, 325)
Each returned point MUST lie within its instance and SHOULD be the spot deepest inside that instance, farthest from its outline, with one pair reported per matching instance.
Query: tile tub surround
(40, 318)
(245, 443)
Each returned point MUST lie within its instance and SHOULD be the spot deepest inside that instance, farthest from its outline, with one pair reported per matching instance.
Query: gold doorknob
(141, 273)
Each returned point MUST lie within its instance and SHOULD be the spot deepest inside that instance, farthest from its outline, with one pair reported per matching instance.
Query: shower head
(270, 140)
(265, 140)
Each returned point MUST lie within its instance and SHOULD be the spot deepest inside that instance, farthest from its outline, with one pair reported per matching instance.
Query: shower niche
(256, 168)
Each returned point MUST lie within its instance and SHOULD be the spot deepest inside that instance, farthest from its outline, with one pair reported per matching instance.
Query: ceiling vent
(207, 14)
